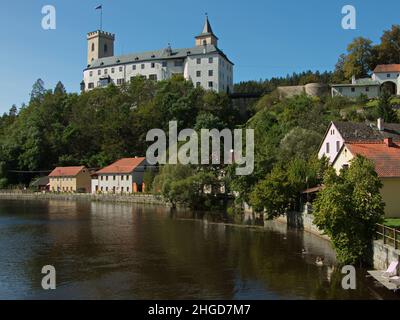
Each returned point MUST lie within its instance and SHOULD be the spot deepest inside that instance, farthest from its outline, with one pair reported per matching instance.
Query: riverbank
(134, 198)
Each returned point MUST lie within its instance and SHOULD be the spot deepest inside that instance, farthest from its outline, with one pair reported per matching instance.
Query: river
(117, 251)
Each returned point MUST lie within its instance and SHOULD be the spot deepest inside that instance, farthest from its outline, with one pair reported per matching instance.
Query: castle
(204, 64)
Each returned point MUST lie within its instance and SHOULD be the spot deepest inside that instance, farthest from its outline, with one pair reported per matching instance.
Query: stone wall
(134, 198)
(384, 255)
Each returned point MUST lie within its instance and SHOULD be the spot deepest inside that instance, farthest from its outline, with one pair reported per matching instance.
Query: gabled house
(339, 133)
(70, 179)
(386, 157)
(384, 77)
(122, 177)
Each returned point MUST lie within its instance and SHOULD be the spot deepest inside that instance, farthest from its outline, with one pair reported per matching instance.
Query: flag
(99, 7)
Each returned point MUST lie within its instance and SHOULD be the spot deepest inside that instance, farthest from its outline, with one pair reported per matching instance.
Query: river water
(118, 251)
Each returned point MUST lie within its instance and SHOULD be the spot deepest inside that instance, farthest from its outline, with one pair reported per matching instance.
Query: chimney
(388, 142)
(353, 79)
(380, 124)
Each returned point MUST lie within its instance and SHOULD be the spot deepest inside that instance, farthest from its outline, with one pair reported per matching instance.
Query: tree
(348, 209)
(389, 49)
(385, 110)
(300, 143)
(38, 90)
(358, 59)
(59, 89)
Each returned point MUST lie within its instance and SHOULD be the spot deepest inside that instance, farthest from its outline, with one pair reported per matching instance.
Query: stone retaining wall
(134, 198)
(384, 255)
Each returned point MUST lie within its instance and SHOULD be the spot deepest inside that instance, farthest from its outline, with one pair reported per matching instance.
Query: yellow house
(70, 179)
(386, 156)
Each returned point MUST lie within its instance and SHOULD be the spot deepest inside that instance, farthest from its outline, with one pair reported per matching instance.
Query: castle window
(91, 73)
(367, 89)
(210, 73)
(90, 85)
(198, 84)
(112, 70)
(153, 65)
(92, 47)
(388, 75)
(105, 48)
(120, 81)
(120, 69)
(178, 63)
(327, 147)
(142, 66)
(164, 64)
(198, 73)
(153, 77)
(210, 84)
(353, 89)
(105, 71)
(99, 72)
(134, 67)
(337, 146)
(210, 60)
(198, 60)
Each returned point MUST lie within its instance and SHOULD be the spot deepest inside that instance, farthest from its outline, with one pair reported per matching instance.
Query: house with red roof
(122, 177)
(386, 157)
(384, 77)
(70, 179)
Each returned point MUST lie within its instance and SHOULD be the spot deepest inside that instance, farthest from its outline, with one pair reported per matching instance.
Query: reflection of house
(384, 77)
(341, 132)
(70, 179)
(386, 157)
(123, 176)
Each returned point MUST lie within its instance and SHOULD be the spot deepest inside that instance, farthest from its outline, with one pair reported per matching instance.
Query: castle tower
(207, 36)
(100, 45)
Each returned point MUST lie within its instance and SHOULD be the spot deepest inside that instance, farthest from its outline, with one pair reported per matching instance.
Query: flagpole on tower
(100, 7)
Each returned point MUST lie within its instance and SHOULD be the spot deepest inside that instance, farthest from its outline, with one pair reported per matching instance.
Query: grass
(392, 223)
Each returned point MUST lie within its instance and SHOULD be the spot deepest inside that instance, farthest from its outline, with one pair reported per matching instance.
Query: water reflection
(114, 251)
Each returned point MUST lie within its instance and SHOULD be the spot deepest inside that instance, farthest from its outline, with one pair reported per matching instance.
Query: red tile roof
(127, 165)
(66, 171)
(386, 159)
(384, 68)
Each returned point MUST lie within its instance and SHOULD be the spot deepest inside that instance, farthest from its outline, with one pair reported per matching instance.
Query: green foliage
(148, 179)
(385, 110)
(98, 127)
(182, 184)
(348, 208)
(279, 191)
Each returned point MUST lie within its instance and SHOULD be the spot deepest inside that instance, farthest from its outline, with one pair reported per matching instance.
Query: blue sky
(263, 38)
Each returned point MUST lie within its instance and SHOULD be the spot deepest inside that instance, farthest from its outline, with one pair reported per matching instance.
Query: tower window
(99, 72)
(91, 73)
(134, 67)
(198, 73)
(210, 84)
(210, 60)
(153, 65)
(92, 47)
(198, 60)
(142, 66)
(112, 70)
(105, 48)
(198, 84)
(120, 69)
(164, 64)
(210, 73)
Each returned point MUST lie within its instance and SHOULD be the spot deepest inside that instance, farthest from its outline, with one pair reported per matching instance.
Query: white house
(204, 64)
(384, 77)
(122, 177)
(339, 133)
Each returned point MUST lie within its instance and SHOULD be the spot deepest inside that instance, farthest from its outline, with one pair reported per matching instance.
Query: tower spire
(207, 36)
